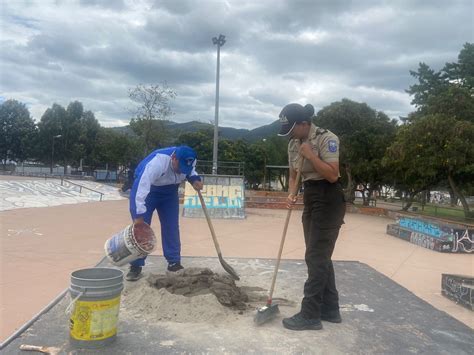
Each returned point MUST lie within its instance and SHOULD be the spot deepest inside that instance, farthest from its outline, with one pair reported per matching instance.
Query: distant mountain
(224, 132)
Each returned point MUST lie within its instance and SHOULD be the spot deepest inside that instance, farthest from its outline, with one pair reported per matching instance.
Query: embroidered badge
(283, 120)
(332, 146)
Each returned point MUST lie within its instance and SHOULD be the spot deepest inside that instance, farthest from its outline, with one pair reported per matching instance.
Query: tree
(200, 141)
(254, 156)
(114, 149)
(152, 105)
(274, 151)
(74, 132)
(364, 136)
(449, 91)
(462, 72)
(88, 143)
(432, 149)
(17, 132)
(449, 95)
(50, 126)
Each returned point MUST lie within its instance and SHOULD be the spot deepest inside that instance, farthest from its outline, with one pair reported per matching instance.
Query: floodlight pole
(219, 42)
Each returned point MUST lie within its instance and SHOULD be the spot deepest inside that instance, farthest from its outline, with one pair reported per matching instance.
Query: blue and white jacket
(155, 173)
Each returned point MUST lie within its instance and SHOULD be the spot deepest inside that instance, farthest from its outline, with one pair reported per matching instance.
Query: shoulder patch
(332, 146)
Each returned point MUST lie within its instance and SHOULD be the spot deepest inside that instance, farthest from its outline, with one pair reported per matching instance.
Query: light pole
(52, 152)
(264, 164)
(219, 42)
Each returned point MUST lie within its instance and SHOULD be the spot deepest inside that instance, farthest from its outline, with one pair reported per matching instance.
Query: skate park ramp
(28, 193)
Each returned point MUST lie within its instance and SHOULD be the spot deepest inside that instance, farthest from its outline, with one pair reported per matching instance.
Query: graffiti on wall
(420, 226)
(459, 288)
(215, 196)
(439, 236)
(463, 240)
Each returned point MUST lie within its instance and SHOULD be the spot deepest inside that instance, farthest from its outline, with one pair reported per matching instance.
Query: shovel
(226, 266)
(270, 310)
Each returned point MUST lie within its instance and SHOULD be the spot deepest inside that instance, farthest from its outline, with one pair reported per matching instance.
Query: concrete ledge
(458, 288)
(448, 241)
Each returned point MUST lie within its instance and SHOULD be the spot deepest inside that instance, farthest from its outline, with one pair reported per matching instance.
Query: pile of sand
(190, 296)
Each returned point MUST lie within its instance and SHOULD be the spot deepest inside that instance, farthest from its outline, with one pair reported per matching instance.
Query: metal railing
(82, 187)
(223, 167)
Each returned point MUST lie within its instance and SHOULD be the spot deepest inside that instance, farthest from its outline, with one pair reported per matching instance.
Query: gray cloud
(277, 52)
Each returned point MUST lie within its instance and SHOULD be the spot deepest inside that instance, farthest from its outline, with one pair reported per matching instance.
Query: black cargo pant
(323, 215)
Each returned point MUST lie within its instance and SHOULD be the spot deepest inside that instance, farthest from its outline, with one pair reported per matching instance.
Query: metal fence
(223, 167)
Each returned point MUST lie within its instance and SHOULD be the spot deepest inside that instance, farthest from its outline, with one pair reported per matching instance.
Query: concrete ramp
(223, 194)
(45, 193)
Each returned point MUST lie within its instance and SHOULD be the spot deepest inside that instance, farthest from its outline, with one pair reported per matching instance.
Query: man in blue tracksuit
(157, 178)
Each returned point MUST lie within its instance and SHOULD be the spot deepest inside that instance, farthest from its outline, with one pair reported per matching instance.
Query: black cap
(293, 114)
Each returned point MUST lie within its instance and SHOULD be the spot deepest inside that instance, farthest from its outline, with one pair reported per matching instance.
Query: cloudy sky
(277, 52)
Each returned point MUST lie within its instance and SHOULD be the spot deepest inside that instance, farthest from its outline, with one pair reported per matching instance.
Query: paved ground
(39, 247)
(380, 317)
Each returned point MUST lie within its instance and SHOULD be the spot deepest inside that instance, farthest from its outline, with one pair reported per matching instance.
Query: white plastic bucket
(133, 242)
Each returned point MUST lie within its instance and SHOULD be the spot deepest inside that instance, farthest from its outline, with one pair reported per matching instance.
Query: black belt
(309, 183)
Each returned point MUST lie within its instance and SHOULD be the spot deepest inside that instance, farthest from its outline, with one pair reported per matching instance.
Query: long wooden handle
(283, 237)
(41, 349)
(213, 233)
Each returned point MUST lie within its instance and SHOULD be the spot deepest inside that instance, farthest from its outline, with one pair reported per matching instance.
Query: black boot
(332, 316)
(173, 267)
(298, 322)
(134, 274)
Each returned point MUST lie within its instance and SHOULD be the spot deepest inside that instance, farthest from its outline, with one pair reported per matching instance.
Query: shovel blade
(230, 270)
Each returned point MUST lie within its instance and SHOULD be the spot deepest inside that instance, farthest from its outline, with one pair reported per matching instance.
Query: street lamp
(52, 152)
(219, 42)
(264, 164)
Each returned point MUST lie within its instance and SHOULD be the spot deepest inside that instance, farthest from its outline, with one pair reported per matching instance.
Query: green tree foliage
(432, 149)
(152, 106)
(115, 149)
(364, 137)
(445, 95)
(462, 72)
(88, 142)
(66, 126)
(51, 126)
(270, 151)
(449, 91)
(201, 141)
(17, 132)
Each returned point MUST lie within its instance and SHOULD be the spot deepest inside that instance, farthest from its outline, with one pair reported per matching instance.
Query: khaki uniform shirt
(325, 144)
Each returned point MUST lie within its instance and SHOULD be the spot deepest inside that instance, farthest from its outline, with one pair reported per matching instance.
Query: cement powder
(197, 299)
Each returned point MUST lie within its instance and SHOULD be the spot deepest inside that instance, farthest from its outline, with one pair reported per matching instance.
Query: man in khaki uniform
(323, 214)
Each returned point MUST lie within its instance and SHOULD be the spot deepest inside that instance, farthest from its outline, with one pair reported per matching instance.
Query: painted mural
(224, 197)
(434, 234)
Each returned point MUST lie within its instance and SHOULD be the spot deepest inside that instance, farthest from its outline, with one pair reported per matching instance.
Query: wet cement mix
(188, 296)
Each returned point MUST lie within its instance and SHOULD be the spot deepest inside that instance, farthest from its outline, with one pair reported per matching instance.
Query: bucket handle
(68, 310)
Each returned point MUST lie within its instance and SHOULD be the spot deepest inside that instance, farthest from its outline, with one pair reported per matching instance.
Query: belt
(309, 183)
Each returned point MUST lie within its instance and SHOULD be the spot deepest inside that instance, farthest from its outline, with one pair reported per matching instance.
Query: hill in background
(251, 135)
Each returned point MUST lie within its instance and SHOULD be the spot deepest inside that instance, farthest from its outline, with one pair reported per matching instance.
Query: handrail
(81, 187)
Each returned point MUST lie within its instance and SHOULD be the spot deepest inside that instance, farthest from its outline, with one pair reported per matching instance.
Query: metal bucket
(96, 302)
(133, 242)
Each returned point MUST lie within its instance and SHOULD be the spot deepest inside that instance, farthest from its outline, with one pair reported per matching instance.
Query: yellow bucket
(95, 307)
